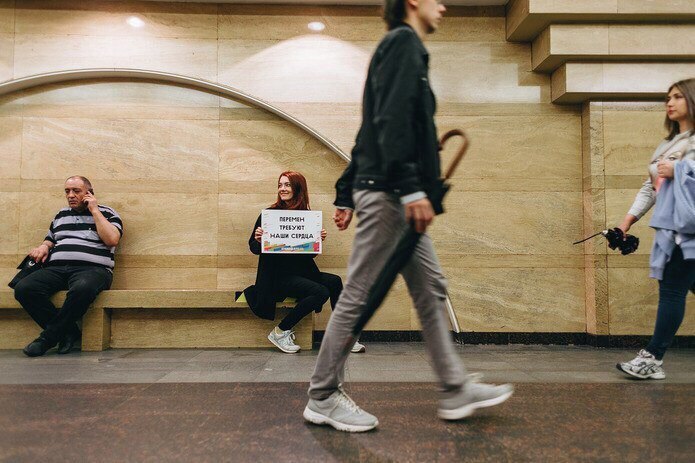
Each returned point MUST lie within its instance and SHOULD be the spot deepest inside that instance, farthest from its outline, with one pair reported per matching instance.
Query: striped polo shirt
(76, 241)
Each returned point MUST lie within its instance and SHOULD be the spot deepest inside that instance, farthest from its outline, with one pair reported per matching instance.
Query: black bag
(26, 267)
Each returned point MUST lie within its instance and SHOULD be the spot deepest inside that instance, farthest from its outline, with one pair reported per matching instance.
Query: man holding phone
(78, 255)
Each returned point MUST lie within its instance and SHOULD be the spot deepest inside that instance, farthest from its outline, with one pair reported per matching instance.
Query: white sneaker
(473, 395)
(341, 412)
(358, 348)
(284, 341)
(644, 366)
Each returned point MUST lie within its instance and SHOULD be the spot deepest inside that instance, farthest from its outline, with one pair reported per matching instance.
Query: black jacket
(396, 149)
(263, 296)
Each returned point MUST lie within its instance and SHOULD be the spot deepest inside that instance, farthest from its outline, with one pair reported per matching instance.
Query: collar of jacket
(423, 50)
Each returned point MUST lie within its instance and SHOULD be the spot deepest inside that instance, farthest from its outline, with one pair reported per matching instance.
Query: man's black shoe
(68, 343)
(37, 347)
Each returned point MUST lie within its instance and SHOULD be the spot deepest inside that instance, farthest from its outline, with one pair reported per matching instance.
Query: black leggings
(83, 283)
(679, 276)
(310, 295)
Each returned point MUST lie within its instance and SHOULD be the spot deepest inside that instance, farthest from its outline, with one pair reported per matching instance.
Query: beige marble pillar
(593, 194)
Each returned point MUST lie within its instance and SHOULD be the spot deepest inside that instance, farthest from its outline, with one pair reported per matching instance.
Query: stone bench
(156, 319)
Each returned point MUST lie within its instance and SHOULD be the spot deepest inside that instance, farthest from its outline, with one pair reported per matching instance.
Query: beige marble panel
(236, 279)
(9, 225)
(633, 302)
(353, 24)
(164, 260)
(561, 42)
(587, 77)
(186, 56)
(529, 147)
(36, 210)
(109, 18)
(618, 202)
(36, 54)
(655, 6)
(577, 81)
(597, 305)
(630, 139)
(104, 99)
(570, 6)
(654, 40)
(524, 300)
(510, 223)
(120, 149)
(17, 329)
(7, 16)
(485, 73)
(312, 68)
(170, 224)
(540, 48)
(580, 39)
(260, 150)
(164, 278)
(10, 147)
(6, 57)
(196, 329)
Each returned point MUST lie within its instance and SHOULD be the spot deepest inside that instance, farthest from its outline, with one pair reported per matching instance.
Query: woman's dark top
(262, 296)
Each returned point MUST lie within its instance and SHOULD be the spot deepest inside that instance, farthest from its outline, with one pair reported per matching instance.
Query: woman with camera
(670, 187)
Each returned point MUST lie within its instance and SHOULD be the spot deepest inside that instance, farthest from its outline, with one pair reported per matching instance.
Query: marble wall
(189, 171)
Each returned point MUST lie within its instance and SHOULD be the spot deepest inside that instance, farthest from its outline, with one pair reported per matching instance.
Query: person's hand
(40, 253)
(91, 202)
(665, 169)
(342, 218)
(324, 233)
(420, 213)
(627, 223)
(258, 234)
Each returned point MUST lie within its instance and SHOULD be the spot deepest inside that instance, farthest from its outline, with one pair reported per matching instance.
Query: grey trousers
(381, 223)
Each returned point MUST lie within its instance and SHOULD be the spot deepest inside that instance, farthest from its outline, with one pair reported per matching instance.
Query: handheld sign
(291, 232)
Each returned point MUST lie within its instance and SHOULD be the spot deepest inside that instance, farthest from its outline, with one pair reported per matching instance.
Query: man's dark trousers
(83, 283)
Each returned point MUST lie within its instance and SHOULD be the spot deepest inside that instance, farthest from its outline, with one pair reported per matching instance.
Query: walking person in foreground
(671, 188)
(395, 166)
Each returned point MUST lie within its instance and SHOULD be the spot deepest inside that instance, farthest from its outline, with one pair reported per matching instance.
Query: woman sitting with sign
(290, 275)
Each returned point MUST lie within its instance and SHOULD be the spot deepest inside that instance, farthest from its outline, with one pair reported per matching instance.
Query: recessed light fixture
(316, 26)
(135, 21)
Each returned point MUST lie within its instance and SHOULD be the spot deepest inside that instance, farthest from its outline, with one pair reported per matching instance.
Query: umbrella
(406, 245)
(627, 244)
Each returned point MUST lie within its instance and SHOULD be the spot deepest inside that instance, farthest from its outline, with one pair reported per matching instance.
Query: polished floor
(245, 405)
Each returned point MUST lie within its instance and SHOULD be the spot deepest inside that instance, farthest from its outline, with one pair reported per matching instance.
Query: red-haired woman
(290, 275)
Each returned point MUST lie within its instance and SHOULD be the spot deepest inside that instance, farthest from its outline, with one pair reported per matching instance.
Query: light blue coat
(674, 217)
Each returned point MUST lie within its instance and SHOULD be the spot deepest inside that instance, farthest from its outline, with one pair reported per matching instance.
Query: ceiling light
(316, 26)
(135, 21)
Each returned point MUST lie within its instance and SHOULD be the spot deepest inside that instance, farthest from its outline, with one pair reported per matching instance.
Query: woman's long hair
(300, 193)
(687, 88)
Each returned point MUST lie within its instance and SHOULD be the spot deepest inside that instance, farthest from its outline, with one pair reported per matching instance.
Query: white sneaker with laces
(284, 341)
(341, 412)
(472, 396)
(644, 366)
(358, 348)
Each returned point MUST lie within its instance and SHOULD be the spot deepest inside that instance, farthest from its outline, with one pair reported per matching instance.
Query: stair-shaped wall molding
(607, 49)
(526, 19)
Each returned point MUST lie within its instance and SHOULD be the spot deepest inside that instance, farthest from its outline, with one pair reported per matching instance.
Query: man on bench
(77, 255)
